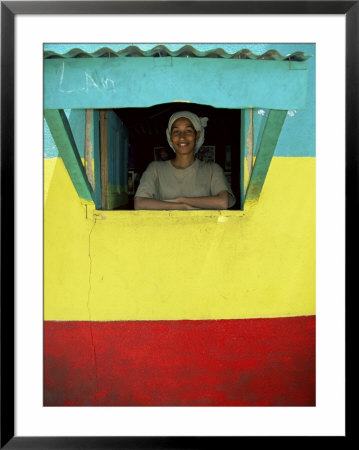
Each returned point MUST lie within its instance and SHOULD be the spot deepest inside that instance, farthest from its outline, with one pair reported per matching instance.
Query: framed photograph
(124, 328)
(207, 153)
(162, 154)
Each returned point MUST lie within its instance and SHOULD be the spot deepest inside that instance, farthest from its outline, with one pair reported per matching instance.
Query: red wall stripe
(248, 362)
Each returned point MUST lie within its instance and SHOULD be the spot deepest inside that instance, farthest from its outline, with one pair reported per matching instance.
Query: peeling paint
(88, 148)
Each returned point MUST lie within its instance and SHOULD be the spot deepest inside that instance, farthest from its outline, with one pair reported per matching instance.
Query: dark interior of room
(147, 131)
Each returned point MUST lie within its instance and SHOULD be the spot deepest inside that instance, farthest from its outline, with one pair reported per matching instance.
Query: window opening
(146, 128)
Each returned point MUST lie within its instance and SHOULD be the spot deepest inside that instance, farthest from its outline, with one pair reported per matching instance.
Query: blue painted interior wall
(298, 134)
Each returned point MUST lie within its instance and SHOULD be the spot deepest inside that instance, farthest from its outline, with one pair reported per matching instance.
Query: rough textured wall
(185, 308)
(182, 308)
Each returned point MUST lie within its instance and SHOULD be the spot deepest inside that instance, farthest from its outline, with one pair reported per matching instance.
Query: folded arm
(152, 203)
(219, 201)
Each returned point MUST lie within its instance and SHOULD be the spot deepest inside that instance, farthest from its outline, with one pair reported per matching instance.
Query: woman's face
(183, 136)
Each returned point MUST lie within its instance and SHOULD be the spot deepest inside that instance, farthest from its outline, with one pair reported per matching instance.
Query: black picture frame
(9, 9)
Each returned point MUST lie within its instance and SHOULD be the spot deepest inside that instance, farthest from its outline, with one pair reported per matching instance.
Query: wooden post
(250, 143)
(88, 147)
(104, 159)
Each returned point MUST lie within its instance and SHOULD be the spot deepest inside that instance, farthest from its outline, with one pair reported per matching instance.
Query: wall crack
(89, 308)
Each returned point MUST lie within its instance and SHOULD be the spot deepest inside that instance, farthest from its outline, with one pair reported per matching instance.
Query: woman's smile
(183, 136)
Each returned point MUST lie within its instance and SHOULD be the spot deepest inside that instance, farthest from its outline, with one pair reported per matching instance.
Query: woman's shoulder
(209, 165)
(158, 164)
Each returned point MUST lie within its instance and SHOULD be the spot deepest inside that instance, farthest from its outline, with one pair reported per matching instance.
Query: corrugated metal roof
(187, 51)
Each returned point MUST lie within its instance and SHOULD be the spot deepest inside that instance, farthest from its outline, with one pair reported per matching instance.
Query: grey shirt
(162, 181)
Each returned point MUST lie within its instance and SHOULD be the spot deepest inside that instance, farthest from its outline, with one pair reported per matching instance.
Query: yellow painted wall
(160, 265)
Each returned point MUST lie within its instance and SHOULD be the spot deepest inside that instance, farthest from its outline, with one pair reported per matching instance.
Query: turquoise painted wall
(298, 134)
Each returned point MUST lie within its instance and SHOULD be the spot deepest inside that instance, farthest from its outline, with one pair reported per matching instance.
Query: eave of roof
(187, 51)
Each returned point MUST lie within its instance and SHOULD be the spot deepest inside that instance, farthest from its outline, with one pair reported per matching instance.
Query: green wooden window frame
(100, 83)
(250, 189)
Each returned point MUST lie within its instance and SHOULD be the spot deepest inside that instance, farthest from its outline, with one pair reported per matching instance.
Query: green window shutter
(265, 153)
(113, 160)
(65, 142)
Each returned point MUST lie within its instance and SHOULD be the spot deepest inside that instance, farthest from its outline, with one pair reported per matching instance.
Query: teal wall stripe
(298, 133)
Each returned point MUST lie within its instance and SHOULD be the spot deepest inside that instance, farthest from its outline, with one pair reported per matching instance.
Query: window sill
(168, 217)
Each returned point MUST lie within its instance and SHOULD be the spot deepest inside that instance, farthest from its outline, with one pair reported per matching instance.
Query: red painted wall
(251, 362)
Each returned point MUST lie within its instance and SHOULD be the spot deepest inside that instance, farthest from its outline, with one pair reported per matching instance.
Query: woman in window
(184, 182)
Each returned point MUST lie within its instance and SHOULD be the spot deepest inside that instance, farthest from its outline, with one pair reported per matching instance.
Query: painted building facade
(179, 308)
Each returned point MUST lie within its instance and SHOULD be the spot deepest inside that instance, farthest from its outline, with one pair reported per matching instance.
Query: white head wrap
(199, 123)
